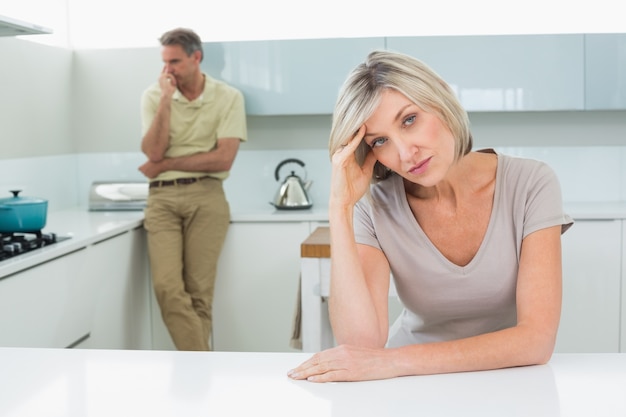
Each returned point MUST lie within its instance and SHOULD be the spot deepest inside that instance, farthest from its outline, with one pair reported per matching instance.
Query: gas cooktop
(15, 244)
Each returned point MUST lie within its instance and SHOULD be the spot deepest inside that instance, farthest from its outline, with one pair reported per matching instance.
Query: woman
(472, 239)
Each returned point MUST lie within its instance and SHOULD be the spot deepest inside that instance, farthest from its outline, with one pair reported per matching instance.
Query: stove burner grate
(14, 244)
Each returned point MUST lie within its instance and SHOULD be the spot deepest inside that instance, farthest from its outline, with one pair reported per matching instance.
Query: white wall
(35, 87)
(586, 173)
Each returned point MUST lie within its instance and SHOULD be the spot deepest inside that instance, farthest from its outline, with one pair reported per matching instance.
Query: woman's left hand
(345, 363)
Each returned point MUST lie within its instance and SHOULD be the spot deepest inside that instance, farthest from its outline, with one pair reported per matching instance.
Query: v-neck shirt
(445, 301)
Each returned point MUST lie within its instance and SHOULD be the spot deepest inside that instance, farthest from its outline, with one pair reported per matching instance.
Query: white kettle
(293, 192)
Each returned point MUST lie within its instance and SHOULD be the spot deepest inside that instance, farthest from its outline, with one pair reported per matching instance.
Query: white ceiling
(138, 23)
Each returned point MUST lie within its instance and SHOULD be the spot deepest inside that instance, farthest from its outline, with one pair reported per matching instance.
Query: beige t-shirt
(195, 126)
(444, 301)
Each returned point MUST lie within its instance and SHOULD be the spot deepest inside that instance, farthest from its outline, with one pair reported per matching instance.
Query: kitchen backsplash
(251, 184)
(587, 174)
(51, 177)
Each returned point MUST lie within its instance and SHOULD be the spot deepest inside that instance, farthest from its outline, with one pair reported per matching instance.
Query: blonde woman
(471, 238)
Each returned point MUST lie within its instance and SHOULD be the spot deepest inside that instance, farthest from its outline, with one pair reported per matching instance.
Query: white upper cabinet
(605, 67)
(570, 72)
(505, 73)
(287, 77)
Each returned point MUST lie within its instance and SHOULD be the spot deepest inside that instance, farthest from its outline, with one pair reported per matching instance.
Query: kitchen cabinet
(47, 305)
(605, 71)
(592, 271)
(315, 272)
(505, 73)
(287, 77)
(121, 309)
(567, 72)
(90, 291)
(592, 268)
(256, 289)
(623, 303)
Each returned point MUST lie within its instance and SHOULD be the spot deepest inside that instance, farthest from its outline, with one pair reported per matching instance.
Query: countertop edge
(89, 227)
(84, 229)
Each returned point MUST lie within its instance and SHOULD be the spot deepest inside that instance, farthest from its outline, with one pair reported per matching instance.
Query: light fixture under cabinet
(14, 27)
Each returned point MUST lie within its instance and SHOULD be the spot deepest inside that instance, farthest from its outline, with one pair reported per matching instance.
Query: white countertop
(271, 214)
(598, 210)
(90, 383)
(84, 227)
(605, 210)
(87, 227)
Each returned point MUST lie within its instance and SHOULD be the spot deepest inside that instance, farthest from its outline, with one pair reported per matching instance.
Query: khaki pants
(186, 227)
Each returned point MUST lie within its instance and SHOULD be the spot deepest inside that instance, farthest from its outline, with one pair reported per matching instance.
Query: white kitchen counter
(605, 210)
(270, 214)
(87, 227)
(84, 227)
(602, 210)
(90, 383)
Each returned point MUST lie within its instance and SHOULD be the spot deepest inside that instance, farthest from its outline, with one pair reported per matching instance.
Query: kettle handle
(286, 161)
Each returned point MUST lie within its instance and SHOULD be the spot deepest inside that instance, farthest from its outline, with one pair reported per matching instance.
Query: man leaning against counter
(192, 126)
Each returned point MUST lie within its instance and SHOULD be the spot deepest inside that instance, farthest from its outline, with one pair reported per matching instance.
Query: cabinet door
(605, 71)
(287, 77)
(121, 318)
(257, 286)
(590, 317)
(47, 306)
(623, 299)
(505, 73)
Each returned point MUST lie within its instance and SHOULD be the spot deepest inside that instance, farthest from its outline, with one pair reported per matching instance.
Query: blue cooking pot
(22, 214)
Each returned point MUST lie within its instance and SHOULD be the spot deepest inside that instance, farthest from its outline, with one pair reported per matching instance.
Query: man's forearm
(219, 159)
(156, 140)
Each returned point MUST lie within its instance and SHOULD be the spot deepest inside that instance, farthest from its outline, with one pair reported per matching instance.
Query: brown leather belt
(177, 181)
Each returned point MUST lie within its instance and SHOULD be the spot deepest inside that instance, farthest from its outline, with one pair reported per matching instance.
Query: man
(192, 126)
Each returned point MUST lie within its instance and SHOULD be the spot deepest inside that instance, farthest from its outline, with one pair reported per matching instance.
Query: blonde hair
(361, 92)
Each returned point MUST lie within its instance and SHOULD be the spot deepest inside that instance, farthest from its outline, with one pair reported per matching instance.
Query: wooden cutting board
(317, 245)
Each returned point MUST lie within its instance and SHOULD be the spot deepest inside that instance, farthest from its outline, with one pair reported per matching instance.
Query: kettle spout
(307, 185)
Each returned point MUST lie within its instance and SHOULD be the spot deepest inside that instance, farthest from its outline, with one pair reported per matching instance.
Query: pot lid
(17, 200)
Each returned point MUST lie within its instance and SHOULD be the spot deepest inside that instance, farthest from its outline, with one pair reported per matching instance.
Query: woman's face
(409, 141)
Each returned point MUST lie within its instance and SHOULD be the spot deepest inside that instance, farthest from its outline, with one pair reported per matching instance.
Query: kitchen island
(94, 383)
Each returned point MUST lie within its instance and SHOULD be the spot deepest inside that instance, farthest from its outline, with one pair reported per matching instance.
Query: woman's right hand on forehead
(349, 181)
